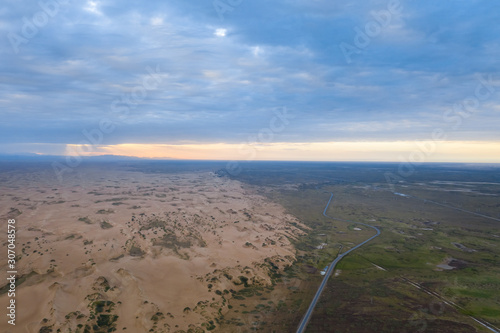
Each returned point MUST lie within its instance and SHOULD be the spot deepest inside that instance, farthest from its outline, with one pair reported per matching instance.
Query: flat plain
(434, 268)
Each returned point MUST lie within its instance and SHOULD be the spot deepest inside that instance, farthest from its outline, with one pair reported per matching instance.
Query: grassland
(372, 289)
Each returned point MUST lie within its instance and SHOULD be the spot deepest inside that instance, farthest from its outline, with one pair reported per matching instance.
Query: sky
(248, 80)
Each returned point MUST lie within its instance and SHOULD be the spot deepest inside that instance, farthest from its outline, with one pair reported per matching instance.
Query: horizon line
(172, 159)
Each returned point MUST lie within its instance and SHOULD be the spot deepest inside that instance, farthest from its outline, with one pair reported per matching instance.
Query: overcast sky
(341, 71)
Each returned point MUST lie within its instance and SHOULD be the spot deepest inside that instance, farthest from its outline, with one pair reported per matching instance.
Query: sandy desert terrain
(127, 251)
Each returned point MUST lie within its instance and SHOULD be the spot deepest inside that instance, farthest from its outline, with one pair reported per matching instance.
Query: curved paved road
(331, 268)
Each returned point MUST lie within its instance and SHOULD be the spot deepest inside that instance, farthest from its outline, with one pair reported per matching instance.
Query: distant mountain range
(31, 156)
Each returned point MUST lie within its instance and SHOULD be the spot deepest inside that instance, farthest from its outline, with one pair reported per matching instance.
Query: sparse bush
(106, 225)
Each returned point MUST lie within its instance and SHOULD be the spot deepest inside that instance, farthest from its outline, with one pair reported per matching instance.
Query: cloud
(220, 32)
(222, 79)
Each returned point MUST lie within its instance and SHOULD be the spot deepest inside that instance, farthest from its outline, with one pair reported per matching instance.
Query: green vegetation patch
(105, 211)
(106, 225)
(171, 241)
(136, 251)
(85, 219)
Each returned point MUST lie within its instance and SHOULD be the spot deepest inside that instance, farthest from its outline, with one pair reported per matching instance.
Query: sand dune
(135, 251)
